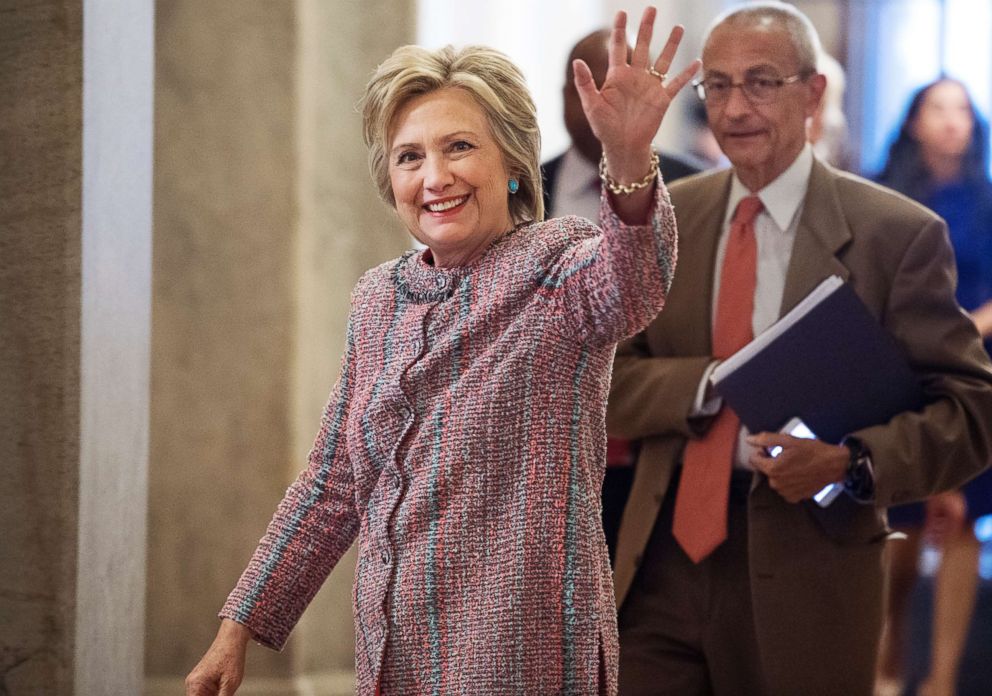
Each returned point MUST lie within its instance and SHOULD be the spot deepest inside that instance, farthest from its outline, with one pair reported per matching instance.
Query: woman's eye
(406, 158)
(461, 146)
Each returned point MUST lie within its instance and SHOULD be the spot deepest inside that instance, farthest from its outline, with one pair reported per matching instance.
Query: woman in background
(940, 158)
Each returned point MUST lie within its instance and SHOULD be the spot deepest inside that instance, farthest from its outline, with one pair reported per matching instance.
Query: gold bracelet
(615, 187)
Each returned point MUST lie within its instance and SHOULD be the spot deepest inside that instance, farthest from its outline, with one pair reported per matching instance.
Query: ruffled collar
(422, 282)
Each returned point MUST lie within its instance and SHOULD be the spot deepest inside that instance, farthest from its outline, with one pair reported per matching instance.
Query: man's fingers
(769, 440)
(763, 439)
(761, 462)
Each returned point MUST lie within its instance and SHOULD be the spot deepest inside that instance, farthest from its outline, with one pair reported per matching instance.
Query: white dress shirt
(577, 187)
(775, 232)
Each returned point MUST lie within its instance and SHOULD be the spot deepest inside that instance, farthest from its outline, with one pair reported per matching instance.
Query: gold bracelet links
(615, 187)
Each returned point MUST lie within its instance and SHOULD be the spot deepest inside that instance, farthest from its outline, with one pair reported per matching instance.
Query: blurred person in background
(827, 129)
(940, 159)
(703, 147)
(464, 442)
(572, 187)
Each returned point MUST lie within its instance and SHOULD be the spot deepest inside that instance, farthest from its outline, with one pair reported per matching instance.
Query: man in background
(572, 187)
(726, 580)
(827, 129)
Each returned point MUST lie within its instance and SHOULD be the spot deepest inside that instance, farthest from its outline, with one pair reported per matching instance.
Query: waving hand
(627, 110)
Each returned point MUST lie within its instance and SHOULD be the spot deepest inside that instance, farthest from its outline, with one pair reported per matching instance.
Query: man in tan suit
(728, 581)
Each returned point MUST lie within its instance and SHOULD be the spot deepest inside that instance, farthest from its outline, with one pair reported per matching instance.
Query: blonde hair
(496, 85)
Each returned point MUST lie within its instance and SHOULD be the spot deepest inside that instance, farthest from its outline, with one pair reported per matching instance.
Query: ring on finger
(659, 75)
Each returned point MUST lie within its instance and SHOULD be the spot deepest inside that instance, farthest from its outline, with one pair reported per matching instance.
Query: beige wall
(264, 218)
(75, 133)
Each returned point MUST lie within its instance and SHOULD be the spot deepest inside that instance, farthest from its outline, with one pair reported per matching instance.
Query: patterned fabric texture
(464, 444)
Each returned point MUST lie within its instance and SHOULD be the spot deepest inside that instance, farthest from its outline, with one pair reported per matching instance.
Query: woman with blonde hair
(464, 443)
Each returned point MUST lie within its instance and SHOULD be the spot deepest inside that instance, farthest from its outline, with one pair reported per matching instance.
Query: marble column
(265, 216)
(224, 229)
(344, 229)
(75, 235)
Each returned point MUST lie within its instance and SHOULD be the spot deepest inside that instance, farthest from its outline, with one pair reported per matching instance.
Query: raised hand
(627, 110)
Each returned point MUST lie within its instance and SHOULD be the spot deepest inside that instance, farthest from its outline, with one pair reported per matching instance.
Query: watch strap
(859, 480)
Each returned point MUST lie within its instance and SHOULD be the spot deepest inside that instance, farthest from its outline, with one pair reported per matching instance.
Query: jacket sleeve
(652, 395)
(608, 285)
(949, 441)
(313, 526)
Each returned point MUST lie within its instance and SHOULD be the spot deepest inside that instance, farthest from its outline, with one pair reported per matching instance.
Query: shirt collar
(783, 196)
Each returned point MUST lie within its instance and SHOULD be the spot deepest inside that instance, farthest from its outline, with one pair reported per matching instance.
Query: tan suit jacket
(817, 588)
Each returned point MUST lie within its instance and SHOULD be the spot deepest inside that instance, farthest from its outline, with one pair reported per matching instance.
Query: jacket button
(385, 556)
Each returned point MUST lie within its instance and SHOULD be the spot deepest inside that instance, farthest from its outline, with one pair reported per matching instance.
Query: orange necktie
(700, 518)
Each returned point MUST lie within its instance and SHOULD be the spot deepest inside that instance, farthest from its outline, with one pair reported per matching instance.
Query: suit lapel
(701, 223)
(821, 233)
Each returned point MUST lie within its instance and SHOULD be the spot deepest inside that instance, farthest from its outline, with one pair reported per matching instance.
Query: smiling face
(447, 175)
(944, 124)
(760, 140)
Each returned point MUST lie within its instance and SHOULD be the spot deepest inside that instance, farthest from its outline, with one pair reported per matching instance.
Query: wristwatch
(859, 480)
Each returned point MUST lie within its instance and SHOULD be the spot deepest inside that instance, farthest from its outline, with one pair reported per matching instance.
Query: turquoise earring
(513, 185)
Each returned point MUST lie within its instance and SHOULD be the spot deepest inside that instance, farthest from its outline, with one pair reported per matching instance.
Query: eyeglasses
(759, 89)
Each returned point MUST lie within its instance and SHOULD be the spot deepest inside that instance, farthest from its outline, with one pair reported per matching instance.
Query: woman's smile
(446, 206)
(448, 176)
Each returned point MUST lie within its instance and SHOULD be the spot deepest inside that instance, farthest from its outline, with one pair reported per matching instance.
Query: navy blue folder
(827, 362)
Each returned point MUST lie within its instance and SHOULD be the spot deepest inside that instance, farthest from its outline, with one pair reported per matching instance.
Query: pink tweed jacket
(464, 444)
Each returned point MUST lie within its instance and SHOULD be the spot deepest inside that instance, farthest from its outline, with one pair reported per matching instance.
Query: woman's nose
(437, 173)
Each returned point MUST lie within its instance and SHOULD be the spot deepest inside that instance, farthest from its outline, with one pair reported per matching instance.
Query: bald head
(594, 49)
(770, 15)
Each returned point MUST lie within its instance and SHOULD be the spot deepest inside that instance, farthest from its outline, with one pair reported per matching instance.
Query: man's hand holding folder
(803, 467)
(832, 365)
